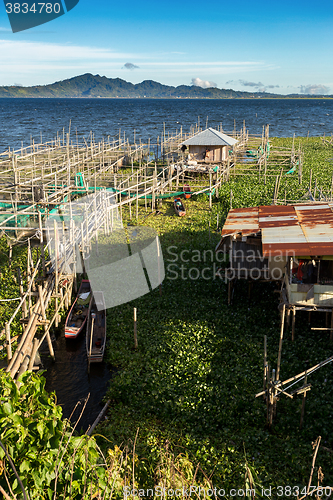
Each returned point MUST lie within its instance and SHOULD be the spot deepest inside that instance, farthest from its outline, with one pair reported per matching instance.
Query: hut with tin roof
(208, 146)
(292, 244)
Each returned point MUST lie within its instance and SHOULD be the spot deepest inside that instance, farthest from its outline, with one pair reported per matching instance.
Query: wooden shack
(208, 146)
(292, 244)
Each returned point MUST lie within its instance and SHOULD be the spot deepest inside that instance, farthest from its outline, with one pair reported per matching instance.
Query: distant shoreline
(90, 86)
(310, 98)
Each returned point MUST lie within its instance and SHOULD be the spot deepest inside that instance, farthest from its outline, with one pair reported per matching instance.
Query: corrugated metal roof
(210, 137)
(305, 229)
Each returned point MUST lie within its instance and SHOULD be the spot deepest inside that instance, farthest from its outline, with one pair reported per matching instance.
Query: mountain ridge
(96, 86)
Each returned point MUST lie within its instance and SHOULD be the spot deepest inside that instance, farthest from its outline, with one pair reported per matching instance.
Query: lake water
(23, 119)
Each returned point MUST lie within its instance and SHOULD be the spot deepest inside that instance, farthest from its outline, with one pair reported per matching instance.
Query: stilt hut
(208, 146)
(292, 244)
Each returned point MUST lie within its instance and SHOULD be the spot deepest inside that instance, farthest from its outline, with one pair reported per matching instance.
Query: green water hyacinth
(49, 459)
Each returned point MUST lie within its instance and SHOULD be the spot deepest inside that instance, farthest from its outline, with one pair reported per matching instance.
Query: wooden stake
(303, 404)
(42, 306)
(91, 338)
(41, 242)
(135, 330)
(137, 194)
(8, 342)
(24, 304)
(293, 324)
(33, 354)
(265, 362)
(310, 184)
(280, 342)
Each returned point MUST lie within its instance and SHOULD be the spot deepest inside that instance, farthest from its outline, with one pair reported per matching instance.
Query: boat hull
(179, 207)
(77, 317)
(96, 330)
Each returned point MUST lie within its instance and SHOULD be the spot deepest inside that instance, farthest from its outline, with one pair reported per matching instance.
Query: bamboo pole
(303, 403)
(8, 342)
(135, 329)
(280, 342)
(56, 257)
(91, 339)
(33, 354)
(42, 305)
(265, 363)
(137, 194)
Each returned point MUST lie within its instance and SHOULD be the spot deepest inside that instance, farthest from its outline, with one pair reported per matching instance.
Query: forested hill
(89, 85)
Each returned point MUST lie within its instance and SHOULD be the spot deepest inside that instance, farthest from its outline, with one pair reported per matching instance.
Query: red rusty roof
(304, 229)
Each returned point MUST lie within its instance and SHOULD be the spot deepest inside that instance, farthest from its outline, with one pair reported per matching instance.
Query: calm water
(68, 377)
(22, 119)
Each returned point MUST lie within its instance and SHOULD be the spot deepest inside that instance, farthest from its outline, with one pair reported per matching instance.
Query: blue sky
(282, 47)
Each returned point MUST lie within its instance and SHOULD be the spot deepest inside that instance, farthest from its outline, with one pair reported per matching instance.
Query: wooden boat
(179, 207)
(187, 192)
(78, 314)
(96, 330)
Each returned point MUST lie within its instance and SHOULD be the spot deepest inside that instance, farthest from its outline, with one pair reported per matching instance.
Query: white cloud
(204, 84)
(5, 29)
(34, 62)
(316, 89)
(16, 51)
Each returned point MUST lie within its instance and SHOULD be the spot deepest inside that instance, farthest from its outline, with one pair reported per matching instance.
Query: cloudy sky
(281, 47)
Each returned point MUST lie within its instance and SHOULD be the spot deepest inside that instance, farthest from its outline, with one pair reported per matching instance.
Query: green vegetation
(191, 384)
(183, 410)
(9, 287)
(46, 455)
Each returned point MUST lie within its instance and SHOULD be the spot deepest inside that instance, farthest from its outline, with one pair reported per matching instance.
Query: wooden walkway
(41, 192)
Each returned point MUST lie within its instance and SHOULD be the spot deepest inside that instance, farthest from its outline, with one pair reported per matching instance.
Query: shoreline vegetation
(183, 411)
(97, 87)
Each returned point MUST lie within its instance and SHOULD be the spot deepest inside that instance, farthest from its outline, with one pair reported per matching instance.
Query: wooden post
(210, 190)
(22, 369)
(280, 342)
(10, 255)
(265, 362)
(91, 339)
(137, 194)
(41, 242)
(56, 255)
(42, 306)
(288, 317)
(293, 324)
(145, 170)
(310, 184)
(8, 342)
(129, 197)
(33, 353)
(135, 330)
(24, 304)
(303, 403)
(29, 277)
